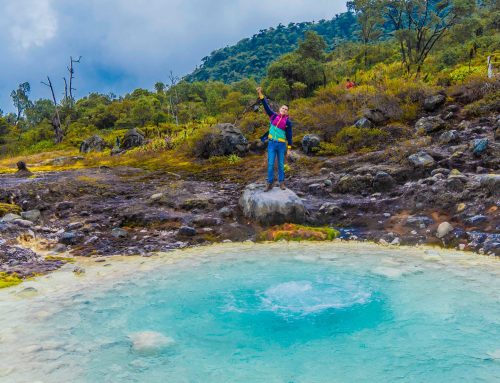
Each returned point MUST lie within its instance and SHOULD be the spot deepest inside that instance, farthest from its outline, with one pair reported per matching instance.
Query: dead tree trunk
(56, 120)
(71, 76)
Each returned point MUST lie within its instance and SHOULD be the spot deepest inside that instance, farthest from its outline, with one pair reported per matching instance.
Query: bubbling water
(249, 313)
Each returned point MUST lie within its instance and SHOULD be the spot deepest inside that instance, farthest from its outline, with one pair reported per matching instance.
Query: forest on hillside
(398, 52)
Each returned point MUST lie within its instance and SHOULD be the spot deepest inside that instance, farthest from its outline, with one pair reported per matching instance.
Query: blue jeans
(275, 148)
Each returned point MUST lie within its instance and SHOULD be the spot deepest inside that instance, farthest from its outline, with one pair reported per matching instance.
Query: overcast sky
(128, 44)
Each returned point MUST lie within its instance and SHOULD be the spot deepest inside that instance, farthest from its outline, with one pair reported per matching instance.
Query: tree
(20, 99)
(41, 109)
(370, 20)
(159, 87)
(313, 46)
(419, 24)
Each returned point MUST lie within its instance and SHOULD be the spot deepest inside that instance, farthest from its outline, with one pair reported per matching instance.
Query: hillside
(251, 56)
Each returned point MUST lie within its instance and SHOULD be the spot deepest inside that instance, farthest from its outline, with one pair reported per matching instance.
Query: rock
(22, 223)
(74, 226)
(22, 170)
(31, 215)
(328, 183)
(479, 146)
(156, 197)
(477, 219)
(10, 217)
(206, 221)
(78, 270)
(14, 255)
(375, 115)
(119, 233)
(433, 102)
(354, 183)
(421, 160)
(430, 124)
(455, 184)
(70, 238)
(132, 139)
(440, 171)
(450, 136)
(93, 144)
(272, 208)
(330, 209)
(149, 342)
(226, 212)
(225, 139)
(65, 205)
(419, 222)
(363, 123)
(310, 143)
(444, 229)
(491, 182)
(186, 231)
(383, 182)
(66, 160)
(316, 188)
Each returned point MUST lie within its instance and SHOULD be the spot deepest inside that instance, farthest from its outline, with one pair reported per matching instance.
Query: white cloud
(31, 23)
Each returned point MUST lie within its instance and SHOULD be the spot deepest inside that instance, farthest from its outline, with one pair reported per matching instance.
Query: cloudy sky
(126, 44)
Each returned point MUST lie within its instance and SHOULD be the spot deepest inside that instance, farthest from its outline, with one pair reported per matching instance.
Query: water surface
(259, 313)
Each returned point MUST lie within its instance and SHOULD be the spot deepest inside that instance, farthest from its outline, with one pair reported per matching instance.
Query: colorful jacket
(280, 127)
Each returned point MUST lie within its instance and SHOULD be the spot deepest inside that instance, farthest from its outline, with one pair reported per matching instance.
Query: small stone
(363, 123)
(448, 137)
(78, 270)
(70, 238)
(387, 215)
(31, 215)
(156, 197)
(444, 229)
(477, 219)
(421, 160)
(324, 171)
(226, 212)
(479, 146)
(22, 222)
(461, 247)
(187, 231)
(119, 233)
(327, 183)
(10, 217)
(396, 242)
(461, 207)
(74, 226)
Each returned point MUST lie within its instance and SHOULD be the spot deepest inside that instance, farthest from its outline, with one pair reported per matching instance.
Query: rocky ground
(441, 188)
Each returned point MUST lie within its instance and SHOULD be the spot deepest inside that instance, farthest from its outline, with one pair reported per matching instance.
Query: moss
(57, 258)
(293, 232)
(6, 208)
(7, 280)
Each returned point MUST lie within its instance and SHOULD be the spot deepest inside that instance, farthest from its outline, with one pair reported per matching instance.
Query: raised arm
(267, 108)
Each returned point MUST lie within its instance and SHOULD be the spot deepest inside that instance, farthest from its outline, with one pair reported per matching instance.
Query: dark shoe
(282, 186)
(268, 187)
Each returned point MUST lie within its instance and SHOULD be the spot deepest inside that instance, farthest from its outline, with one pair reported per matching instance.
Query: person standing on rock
(280, 141)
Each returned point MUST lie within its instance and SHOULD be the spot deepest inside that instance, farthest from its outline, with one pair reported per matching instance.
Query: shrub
(329, 149)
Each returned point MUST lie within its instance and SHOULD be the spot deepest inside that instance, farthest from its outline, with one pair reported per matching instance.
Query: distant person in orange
(349, 84)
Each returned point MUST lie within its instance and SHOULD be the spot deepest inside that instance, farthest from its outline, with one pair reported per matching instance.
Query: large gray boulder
(354, 183)
(433, 102)
(376, 116)
(430, 124)
(421, 160)
(310, 143)
(225, 139)
(93, 144)
(273, 207)
(132, 139)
